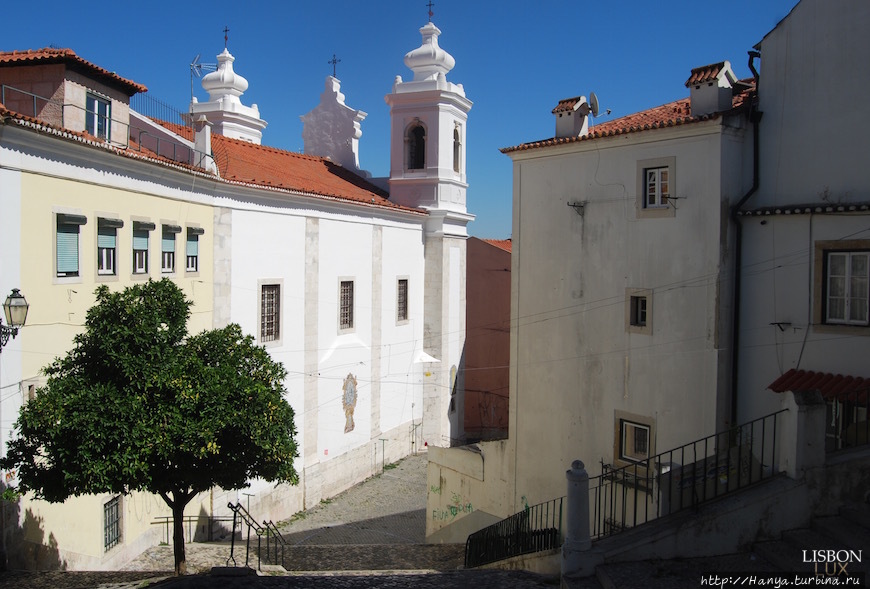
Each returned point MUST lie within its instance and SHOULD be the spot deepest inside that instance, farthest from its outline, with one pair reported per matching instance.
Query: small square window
(655, 187)
(112, 523)
(638, 310)
(402, 300)
(345, 318)
(270, 312)
(634, 441)
(98, 116)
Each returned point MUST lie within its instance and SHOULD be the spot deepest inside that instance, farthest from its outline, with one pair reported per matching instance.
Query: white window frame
(628, 441)
(639, 310)
(98, 116)
(269, 311)
(141, 263)
(345, 305)
(168, 257)
(191, 261)
(649, 173)
(850, 283)
(107, 257)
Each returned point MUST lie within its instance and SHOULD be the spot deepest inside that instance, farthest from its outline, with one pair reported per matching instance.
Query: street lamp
(15, 308)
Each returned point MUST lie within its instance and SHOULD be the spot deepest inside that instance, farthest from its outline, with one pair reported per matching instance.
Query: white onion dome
(224, 81)
(429, 60)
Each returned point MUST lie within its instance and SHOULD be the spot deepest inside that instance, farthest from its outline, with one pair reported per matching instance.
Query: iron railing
(847, 424)
(242, 519)
(275, 542)
(533, 529)
(199, 528)
(625, 497)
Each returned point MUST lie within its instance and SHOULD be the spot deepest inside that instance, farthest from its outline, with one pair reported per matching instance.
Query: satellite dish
(593, 104)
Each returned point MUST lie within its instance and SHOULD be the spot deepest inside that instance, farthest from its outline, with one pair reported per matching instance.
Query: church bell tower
(428, 126)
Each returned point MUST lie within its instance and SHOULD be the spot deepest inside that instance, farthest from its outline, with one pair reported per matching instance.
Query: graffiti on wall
(458, 504)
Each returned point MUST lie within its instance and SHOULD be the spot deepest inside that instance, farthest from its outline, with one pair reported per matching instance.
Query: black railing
(154, 108)
(846, 423)
(275, 542)
(533, 529)
(625, 497)
(199, 528)
(241, 520)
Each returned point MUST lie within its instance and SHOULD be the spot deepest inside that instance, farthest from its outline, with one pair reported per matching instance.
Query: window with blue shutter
(167, 248)
(67, 257)
(107, 245)
(140, 246)
(192, 250)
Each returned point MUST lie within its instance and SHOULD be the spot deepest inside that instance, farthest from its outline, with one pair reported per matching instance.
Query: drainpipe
(755, 119)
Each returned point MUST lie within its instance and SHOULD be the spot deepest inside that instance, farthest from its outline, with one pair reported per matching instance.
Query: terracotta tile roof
(671, 114)
(704, 74)
(248, 163)
(503, 244)
(832, 386)
(49, 55)
(566, 104)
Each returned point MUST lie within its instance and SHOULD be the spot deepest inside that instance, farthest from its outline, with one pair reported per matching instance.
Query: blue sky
(516, 59)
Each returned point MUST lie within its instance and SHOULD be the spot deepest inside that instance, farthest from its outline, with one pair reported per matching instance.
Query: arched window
(416, 148)
(457, 150)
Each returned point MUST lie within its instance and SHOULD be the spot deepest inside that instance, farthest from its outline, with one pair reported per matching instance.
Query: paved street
(369, 536)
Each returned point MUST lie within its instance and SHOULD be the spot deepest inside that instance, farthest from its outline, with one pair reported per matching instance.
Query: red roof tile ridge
(504, 244)
(70, 55)
(832, 386)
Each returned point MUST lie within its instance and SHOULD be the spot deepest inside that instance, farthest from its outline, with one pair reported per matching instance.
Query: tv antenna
(196, 69)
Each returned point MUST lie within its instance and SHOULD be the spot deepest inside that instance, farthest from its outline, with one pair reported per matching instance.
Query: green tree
(139, 405)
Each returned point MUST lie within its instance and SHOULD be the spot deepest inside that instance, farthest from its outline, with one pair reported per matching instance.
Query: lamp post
(15, 308)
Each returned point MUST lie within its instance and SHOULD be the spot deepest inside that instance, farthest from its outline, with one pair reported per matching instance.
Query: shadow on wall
(24, 542)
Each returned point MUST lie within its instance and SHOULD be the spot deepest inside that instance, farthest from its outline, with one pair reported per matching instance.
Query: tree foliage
(139, 405)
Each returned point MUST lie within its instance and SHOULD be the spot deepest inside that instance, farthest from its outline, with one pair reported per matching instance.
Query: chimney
(202, 145)
(572, 117)
(711, 88)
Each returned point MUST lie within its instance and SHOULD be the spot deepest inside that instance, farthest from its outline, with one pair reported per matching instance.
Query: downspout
(755, 119)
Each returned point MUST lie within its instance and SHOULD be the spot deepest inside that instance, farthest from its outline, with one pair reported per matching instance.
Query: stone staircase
(849, 530)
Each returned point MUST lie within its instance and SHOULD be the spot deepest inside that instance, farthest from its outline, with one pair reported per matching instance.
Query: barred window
(270, 312)
(402, 300)
(112, 522)
(346, 301)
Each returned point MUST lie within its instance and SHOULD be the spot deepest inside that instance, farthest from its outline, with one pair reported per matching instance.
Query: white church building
(355, 284)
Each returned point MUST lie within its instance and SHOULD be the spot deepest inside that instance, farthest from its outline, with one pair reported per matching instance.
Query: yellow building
(83, 208)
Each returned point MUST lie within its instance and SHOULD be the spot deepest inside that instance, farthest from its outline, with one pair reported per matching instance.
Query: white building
(359, 293)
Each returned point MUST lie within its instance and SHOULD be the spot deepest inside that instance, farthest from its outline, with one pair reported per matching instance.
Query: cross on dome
(226, 36)
(431, 14)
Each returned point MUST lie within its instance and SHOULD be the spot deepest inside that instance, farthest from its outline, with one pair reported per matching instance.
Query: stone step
(858, 513)
(350, 557)
(846, 533)
(778, 553)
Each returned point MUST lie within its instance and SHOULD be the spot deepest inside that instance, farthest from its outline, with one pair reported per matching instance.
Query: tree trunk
(177, 503)
(178, 536)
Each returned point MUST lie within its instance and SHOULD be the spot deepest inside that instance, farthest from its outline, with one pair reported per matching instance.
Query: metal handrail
(241, 515)
(687, 476)
(534, 529)
(277, 539)
(190, 520)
